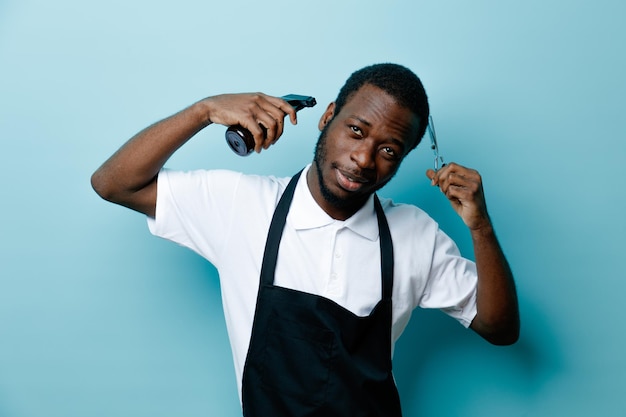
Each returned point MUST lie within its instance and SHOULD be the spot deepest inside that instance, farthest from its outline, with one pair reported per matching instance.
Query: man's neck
(336, 211)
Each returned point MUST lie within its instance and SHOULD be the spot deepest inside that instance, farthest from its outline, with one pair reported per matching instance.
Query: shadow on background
(442, 369)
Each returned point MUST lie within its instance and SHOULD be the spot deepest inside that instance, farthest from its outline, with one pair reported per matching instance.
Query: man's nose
(363, 154)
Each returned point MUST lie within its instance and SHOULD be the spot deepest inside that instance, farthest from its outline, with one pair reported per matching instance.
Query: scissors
(433, 143)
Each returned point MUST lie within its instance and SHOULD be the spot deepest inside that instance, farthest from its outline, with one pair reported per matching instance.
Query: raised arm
(497, 318)
(129, 176)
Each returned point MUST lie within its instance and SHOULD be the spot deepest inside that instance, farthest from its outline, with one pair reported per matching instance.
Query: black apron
(309, 356)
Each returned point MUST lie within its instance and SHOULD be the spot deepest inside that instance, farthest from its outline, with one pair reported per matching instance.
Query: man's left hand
(464, 189)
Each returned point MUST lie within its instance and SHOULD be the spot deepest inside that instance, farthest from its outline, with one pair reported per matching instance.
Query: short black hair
(396, 80)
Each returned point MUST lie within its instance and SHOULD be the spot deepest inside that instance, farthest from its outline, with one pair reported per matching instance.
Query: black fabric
(309, 356)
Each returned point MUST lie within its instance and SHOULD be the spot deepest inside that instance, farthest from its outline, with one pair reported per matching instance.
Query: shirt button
(338, 255)
(333, 276)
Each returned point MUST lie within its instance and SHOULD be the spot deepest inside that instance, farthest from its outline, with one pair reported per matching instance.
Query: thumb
(430, 173)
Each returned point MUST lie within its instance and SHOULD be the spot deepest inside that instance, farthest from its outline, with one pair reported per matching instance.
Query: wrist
(202, 111)
(482, 230)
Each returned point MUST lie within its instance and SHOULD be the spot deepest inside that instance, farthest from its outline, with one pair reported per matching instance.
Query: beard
(320, 159)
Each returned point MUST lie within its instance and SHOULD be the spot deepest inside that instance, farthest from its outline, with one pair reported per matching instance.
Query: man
(319, 276)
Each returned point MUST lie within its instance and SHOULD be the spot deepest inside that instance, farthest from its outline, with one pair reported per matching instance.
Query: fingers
(463, 188)
(459, 184)
(285, 109)
(430, 173)
(453, 175)
(270, 128)
(457, 179)
(270, 115)
(259, 113)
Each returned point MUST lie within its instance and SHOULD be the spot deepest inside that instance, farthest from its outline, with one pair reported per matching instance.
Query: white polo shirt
(224, 216)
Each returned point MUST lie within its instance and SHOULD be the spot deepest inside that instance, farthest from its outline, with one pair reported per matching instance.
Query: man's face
(359, 150)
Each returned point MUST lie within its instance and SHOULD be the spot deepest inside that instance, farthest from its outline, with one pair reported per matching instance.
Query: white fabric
(224, 216)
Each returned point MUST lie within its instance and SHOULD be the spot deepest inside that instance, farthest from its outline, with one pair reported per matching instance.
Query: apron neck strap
(386, 250)
(275, 232)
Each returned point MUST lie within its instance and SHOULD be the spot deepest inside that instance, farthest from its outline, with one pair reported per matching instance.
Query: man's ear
(327, 116)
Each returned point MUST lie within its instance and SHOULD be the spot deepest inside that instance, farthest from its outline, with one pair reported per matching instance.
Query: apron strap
(275, 232)
(386, 250)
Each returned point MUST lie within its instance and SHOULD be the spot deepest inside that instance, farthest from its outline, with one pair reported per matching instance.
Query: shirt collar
(305, 213)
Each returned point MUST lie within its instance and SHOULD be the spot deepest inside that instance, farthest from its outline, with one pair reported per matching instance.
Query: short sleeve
(452, 282)
(195, 208)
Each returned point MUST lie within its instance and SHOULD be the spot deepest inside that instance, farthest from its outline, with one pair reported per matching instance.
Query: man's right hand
(261, 114)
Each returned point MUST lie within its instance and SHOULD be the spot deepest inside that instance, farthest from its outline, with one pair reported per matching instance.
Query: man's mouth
(350, 182)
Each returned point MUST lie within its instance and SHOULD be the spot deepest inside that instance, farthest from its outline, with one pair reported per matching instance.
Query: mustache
(356, 174)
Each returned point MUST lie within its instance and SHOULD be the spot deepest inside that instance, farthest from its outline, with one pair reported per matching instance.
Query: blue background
(99, 318)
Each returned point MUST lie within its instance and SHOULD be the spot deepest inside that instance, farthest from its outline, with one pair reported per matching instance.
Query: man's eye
(356, 130)
(390, 152)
